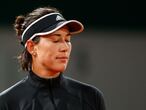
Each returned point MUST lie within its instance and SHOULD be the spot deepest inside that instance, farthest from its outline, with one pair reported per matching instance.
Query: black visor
(48, 24)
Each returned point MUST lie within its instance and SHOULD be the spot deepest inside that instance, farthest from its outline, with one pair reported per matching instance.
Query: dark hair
(21, 23)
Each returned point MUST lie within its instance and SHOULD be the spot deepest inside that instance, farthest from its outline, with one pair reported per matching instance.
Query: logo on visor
(59, 18)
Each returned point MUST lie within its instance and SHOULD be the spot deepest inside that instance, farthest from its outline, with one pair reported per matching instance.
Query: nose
(64, 47)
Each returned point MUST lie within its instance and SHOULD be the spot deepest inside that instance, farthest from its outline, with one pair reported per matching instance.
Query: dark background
(110, 54)
(96, 13)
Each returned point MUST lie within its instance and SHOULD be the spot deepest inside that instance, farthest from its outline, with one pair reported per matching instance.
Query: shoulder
(11, 95)
(75, 84)
(90, 94)
(13, 90)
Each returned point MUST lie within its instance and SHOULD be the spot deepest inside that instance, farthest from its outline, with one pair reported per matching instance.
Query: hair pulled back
(21, 23)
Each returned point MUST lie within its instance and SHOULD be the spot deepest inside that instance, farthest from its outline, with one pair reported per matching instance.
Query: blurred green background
(110, 54)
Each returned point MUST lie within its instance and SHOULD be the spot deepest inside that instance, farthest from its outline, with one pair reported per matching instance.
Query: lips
(62, 57)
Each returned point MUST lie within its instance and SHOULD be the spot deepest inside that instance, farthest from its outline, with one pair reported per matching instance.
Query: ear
(30, 45)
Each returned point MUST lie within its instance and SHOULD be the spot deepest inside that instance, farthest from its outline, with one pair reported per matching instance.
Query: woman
(46, 36)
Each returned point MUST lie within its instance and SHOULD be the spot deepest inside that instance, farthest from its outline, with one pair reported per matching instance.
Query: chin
(62, 69)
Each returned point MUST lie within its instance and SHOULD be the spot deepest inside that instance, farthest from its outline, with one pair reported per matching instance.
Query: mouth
(63, 59)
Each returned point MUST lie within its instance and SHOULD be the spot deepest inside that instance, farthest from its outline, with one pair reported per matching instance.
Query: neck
(45, 74)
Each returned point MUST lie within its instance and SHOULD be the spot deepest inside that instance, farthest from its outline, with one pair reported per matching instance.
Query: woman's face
(53, 51)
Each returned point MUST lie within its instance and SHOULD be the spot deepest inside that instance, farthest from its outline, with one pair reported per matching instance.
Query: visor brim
(74, 27)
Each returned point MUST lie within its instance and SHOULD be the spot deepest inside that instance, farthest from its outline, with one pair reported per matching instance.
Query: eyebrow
(58, 36)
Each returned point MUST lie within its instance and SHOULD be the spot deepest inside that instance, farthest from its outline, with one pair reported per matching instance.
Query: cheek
(48, 53)
(45, 51)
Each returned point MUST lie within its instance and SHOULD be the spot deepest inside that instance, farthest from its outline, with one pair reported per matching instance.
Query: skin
(51, 55)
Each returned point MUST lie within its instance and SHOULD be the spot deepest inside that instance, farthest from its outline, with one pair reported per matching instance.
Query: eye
(56, 41)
